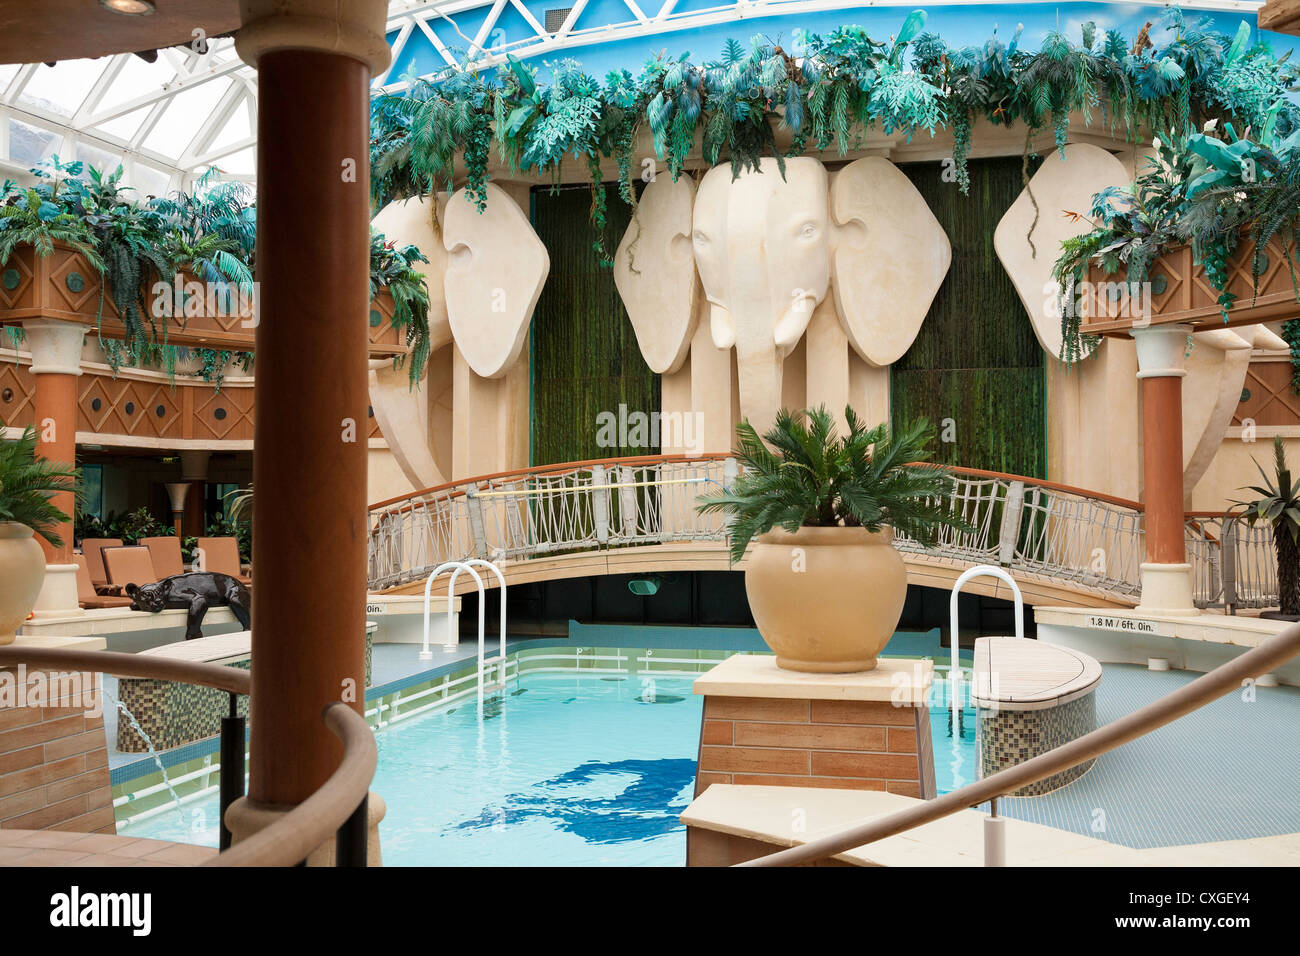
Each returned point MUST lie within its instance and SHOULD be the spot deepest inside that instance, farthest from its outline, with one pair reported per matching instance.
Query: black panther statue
(197, 591)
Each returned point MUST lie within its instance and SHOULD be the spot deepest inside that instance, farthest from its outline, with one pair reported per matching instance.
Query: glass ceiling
(166, 121)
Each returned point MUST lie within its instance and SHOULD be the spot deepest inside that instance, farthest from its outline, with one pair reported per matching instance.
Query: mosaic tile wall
(173, 714)
(1005, 738)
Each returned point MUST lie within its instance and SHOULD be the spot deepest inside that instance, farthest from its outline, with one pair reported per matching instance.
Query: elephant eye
(700, 237)
(808, 231)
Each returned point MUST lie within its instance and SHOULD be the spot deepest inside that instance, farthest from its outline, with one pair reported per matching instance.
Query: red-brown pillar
(56, 364)
(1166, 575)
(314, 61)
(1162, 468)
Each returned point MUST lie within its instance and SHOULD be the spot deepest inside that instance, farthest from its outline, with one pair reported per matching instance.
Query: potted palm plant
(825, 584)
(1279, 505)
(26, 483)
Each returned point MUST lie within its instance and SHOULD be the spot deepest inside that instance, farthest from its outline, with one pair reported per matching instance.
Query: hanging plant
(392, 267)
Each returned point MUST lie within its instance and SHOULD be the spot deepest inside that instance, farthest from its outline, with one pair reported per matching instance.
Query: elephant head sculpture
(496, 267)
(484, 275)
(765, 251)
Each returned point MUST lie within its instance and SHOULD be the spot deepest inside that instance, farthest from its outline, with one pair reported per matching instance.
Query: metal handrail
(1273, 652)
(1087, 539)
(341, 799)
(233, 680)
(339, 806)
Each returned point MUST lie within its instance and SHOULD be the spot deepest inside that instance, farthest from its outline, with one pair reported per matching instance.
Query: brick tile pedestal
(53, 754)
(768, 726)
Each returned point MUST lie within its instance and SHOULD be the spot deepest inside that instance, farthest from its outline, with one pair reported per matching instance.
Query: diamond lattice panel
(17, 391)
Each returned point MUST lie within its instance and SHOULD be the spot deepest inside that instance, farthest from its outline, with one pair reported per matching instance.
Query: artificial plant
(1279, 506)
(27, 484)
(820, 91)
(392, 267)
(801, 473)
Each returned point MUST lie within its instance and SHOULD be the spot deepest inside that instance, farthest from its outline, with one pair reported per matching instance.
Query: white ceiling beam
(437, 44)
(214, 124)
(532, 20)
(399, 44)
(486, 29)
(170, 89)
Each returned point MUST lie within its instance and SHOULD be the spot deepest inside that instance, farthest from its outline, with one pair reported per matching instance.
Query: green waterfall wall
(976, 361)
(585, 359)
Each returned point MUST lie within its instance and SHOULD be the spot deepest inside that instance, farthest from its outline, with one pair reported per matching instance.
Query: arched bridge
(1064, 546)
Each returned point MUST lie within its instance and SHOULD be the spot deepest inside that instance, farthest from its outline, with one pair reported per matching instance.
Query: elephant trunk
(758, 371)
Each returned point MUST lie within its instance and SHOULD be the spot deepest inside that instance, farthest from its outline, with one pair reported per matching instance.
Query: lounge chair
(92, 549)
(221, 556)
(166, 554)
(86, 595)
(129, 565)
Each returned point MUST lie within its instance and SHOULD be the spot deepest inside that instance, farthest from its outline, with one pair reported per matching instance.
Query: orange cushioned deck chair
(129, 565)
(86, 595)
(92, 549)
(166, 554)
(221, 556)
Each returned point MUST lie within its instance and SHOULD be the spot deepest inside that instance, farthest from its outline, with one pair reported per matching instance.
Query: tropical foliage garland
(828, 93)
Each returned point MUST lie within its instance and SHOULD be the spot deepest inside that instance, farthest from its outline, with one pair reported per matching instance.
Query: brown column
(1166, 575)
(56, 440)
(1162, 468)
(309, 464)
(56, 364)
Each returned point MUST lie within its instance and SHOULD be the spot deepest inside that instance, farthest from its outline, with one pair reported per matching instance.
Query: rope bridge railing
(1089, 540)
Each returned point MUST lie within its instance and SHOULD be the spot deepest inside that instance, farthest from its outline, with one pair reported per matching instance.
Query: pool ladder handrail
(456, 567)
(994, 840)
(500, 659)
(954, 670)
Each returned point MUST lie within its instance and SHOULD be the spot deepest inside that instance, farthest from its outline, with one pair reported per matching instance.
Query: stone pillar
(1166, 575)
(56, 363)
(194, 471)
(177, 492)
(314, 59)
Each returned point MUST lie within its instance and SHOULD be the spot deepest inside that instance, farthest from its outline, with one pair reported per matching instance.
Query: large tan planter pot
(826, 599)
(22, 569)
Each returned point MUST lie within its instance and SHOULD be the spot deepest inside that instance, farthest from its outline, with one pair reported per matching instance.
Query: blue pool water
(565, 769)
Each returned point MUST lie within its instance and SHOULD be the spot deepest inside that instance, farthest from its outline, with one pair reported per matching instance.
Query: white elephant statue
(765, 252)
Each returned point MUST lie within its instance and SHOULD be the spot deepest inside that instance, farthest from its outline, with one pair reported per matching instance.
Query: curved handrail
(457, 485)
(291, 839)
(1029, 525)
(233, 680)
(1227, 677)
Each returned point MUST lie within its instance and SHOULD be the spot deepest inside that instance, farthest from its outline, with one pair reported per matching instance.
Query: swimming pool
(576, 769)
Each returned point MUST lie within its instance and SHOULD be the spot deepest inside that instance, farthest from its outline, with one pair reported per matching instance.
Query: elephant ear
(1058, 186)
(495, 271)
(654, 269)
(890, 257)
(410, 222)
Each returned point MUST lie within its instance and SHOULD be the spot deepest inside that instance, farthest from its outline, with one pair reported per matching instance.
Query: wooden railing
(338, 808)
(1222, 680)
(1084, 538)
